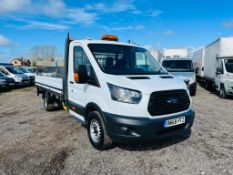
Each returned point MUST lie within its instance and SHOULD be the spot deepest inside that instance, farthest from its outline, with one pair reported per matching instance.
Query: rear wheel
(48, 102)
(222, 92)
(206, 84)
(97, 132)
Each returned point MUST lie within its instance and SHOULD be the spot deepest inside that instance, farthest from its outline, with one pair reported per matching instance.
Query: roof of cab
(172, 59)
(90, 41)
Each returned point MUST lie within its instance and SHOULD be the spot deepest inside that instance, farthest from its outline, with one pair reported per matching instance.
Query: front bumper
(127, 129)
(23, 82)
(3, 86)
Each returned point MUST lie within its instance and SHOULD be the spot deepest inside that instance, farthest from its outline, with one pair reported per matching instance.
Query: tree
(43, 53)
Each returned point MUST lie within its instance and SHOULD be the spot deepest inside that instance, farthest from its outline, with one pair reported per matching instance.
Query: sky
(157, 24)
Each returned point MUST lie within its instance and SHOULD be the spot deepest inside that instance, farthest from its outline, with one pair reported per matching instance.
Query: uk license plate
(174, 122)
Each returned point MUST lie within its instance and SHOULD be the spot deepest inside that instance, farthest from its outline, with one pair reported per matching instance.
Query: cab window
(80, 58)
(220, 66)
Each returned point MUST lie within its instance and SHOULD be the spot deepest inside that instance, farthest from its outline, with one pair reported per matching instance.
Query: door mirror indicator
(81, 76)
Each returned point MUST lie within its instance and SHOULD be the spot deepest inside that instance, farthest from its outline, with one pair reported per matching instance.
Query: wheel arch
(90, 107)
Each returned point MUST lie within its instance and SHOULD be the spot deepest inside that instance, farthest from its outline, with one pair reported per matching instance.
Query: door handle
(71, 82)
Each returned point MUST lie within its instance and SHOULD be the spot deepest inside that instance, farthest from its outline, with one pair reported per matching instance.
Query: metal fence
(50, 71)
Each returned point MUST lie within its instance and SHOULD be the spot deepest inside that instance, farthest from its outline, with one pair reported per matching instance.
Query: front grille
(168, 102)
(25, 81)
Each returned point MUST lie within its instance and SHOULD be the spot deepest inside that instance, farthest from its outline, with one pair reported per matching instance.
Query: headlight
(124, 95)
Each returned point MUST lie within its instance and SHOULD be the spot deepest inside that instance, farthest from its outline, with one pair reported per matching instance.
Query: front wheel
(97, 132)
(193, 91)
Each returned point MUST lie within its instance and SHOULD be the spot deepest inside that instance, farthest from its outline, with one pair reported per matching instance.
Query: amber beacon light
(109, 37)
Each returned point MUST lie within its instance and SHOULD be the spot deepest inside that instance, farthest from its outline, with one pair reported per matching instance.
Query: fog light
(125, 129)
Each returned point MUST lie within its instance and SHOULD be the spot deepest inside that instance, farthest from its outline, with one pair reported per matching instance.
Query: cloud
(44, 25)
(55, 10)
(137, 27)
(169, 33)
(116, 7)
(4, 41)
(155, 13)
(80, 16)
(7, 6)
(228, 24)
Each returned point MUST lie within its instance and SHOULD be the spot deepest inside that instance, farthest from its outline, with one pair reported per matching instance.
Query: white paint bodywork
(176, 53)
(83, 94)
(156, 54)
(198, 61)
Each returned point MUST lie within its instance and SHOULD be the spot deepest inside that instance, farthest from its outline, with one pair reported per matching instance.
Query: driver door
(218, 74)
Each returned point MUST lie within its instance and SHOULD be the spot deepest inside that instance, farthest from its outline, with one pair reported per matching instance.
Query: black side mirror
(81, 76)
(219, 71)
(197, 70)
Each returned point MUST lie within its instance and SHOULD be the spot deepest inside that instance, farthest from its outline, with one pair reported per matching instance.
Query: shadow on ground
(155, 145)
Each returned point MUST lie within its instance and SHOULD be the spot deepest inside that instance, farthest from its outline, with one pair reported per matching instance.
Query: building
(20, 62)
(47, 63)
(156, 54)
(176, 53)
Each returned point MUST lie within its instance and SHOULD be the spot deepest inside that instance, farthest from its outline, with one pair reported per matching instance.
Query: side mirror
(197, 70)
(219, 71)
(81, 76)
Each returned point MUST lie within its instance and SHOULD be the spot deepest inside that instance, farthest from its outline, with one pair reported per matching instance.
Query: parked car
(28, 73)
(10, 82)
(182, 68)
(3, 83)
(13, 72)
(32, 69)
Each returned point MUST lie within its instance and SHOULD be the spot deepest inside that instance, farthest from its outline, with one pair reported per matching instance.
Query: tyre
(206, 84)
(193, 91)
(48, 102)
(97, 132)
(222, 92)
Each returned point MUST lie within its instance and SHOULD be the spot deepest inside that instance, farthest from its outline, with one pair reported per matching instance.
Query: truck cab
(224, 76)
(120, 92)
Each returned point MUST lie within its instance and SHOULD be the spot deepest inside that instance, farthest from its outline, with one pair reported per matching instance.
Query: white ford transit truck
(119, 91)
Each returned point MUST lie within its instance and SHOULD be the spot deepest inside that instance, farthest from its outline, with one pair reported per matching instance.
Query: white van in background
(198, 63)
(183, 69)
(13, 72)
(28, 73)
(218, 66)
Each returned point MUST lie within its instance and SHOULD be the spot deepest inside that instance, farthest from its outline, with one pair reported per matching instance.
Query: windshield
(123, 60)
(178, 65)
(24, 70)
(13, 70)
(229, 65)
